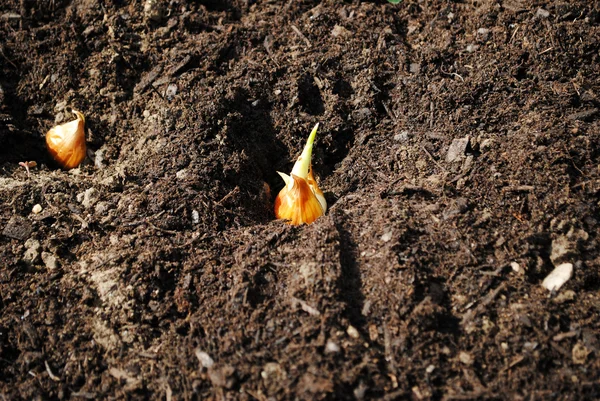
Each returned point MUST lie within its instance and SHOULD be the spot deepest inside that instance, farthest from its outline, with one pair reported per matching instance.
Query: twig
(469, 315)
(52, 376)
(299, 33)
(234, 191)
(389, 112)
(514, 33)
(452, 74)
(583, 184)
(432, 158)
(7, 59)
(306, 307)
(162, 229)
(194, 239)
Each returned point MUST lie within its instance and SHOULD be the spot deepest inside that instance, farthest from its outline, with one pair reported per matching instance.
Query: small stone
(60, 106)
(402, 136)
(101, 208)
(430, 368)
(272, 372)
(361, 114)
(89, 197)
(331, 347)
(565, 296)
(483, 34)
(373, 332)
(414, 68)
(195, 217)
(37, 209)
(467, 165)
(387, 236)
(340, 32)
(486, 145)
(457, 149)
(49, 260)
(99, 159)
(515, 267)
(352, 332)
(578, 235)
(541, 13)
(17, 228)
(560, 275)
(277, 92)
(562, 247)
(471, 48)
(465, 358)
(580, 353)
(360, 391)
(32, 251)
(154, 10)
(181, 174)
(222, 376)
(205, 360)
(171, 91)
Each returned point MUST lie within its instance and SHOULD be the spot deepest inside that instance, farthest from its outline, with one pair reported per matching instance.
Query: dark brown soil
(160, 255)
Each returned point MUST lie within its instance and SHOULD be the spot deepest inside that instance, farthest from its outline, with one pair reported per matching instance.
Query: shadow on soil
(350, 283)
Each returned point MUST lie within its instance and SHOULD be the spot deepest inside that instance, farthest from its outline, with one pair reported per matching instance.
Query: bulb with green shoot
(301, 201)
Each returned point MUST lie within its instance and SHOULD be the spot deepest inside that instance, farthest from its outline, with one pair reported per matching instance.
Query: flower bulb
(66, 142)
(301, 201)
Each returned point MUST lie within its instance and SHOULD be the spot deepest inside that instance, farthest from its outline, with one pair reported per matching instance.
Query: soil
(458, 149)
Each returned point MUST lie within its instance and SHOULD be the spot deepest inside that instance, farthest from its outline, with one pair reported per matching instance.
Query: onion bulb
(66, 142)
(301, 201)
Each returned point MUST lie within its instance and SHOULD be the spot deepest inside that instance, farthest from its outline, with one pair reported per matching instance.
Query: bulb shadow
(350, 282)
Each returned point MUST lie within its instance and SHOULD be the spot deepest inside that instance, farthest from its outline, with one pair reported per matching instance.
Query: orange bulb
(66, 142)
(301, 201)
(298, 202)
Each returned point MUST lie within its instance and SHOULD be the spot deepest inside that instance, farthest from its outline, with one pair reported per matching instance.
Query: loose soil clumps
(458, 149)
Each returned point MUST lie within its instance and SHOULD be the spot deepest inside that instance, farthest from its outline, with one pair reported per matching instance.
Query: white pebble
(541, 13)
(465, 358)
(457, 149)
(37, 209)
(99, 158)
(89, 197)
(331, 347)
(560, 275)
(352, 332)
(515, 266)
(205, 360)
(49, 260)
(181, 174)
(195, 217)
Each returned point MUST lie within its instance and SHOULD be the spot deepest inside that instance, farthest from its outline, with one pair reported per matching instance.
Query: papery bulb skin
(312, 183)
(66, 142)
(297, 203)
(301, 201)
